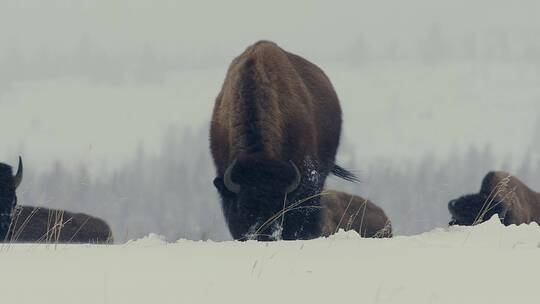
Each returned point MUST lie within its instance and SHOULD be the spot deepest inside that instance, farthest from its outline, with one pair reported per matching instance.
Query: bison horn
(231, 186)
(452, 205)
(19, 175)
(297, 178)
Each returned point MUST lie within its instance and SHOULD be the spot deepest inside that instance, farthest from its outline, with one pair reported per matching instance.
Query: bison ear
(218, 183)
(220, 186)
(452, 205)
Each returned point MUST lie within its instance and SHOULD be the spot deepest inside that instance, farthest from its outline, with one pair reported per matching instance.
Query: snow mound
(151, 240)
(487, 263)
(344, 235)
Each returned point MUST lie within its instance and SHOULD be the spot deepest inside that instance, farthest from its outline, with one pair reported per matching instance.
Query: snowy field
(488, 263)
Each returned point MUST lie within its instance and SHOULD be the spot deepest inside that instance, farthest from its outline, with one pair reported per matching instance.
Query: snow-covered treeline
(89, 59)
(171, 192)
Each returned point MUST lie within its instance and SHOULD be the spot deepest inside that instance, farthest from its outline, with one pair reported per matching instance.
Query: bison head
(473, 209)
(254, 193)
(8, 199)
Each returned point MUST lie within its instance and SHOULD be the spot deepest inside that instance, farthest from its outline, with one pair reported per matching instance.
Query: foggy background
(109, 102)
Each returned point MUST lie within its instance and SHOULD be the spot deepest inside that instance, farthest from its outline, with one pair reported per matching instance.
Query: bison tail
(344, 173)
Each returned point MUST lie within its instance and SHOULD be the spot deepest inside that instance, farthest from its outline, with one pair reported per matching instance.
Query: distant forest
(148, 65)
(171, 193)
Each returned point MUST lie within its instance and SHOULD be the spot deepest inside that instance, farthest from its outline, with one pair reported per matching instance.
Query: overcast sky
(191, 27)
(394, 110)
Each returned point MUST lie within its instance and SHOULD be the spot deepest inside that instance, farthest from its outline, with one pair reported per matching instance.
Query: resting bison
(501, 194)
(274, 134)
(350, 212)
(34, 224)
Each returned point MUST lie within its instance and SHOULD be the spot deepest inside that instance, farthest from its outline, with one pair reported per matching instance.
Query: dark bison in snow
(350, 212)
(501, 194)
(274, 134)
(35, 224)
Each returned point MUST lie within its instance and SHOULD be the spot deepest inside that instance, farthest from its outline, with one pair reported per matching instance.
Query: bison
(501, 194)
(350, 212)
(274, 134)
(35, 224)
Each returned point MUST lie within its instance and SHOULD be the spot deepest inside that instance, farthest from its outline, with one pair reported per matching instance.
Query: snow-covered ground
(488, 263)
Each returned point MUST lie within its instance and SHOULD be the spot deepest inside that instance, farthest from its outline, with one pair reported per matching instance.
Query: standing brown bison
(501, 194)
(34, 224)
(274, 135)
(350, 212)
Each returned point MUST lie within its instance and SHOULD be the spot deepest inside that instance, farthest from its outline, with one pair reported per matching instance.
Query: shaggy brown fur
(277, 105)
(521, 204)
(274, 107)
(350, 212)
(502, 194)
(43, 225)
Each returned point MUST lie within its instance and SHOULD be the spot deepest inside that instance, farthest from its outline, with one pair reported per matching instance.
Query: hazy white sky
(315, 27)
(393, 110)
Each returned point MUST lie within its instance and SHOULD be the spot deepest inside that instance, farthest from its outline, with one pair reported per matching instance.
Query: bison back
(350, 212)
(43, 225)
